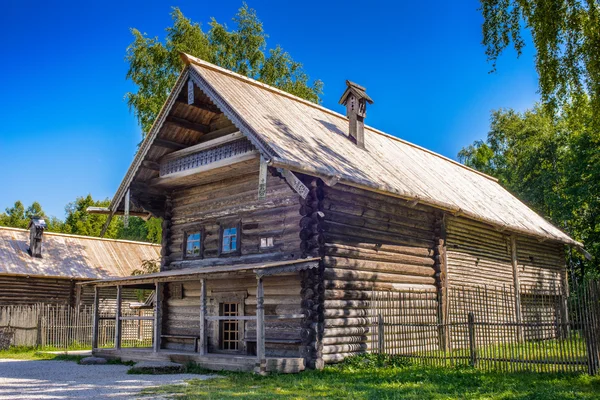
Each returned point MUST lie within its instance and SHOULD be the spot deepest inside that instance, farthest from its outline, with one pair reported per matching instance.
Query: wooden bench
(251, 343)
(195, 338)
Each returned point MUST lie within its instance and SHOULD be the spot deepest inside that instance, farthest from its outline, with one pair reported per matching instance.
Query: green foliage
(154, 65)
(387, 383)
(566, 37)
(552, 162)
(79, 222)
(18, 216)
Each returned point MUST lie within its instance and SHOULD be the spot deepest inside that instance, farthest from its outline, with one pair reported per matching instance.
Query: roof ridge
(10, 228)
(189, 59)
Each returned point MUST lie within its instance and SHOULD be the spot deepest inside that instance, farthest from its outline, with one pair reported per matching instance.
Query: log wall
(21, 290)
(282, 297)
(369, 242)
(232, 200)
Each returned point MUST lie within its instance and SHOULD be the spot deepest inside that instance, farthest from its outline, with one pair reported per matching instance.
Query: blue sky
(66, 130)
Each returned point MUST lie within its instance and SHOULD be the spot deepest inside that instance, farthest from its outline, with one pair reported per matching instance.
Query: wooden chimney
(355, 98)
(36, 230)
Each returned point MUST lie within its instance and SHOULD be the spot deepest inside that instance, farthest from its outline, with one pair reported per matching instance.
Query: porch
(212, 361)
(241, 336)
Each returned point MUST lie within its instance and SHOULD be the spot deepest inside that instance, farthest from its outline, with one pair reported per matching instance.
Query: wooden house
(281, 217)
(44, 267)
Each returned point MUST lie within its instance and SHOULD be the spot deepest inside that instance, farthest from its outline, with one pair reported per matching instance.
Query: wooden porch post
(202, 341)
(118, 318)
(157, 315)
(261, 366)
(96, 318)
(517, 286)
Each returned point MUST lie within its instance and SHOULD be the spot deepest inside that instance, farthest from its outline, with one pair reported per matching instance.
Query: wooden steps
(215, 362)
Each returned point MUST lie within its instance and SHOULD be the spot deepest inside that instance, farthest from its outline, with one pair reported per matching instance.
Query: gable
(294, 134)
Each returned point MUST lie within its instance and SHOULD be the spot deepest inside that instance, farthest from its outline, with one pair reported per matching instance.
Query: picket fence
(64, 327)
(481, 327)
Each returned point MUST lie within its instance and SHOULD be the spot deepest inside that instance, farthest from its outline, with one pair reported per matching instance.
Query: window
(193, 244)
(230, 331)
(266, 242)
(230, 242)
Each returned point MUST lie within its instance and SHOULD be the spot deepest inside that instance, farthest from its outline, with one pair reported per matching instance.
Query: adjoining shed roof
(72, 256)
(267, 269)
(296, 134)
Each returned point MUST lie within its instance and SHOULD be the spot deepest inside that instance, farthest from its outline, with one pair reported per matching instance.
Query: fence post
(591, 312)
(380, 333)
(472, 348)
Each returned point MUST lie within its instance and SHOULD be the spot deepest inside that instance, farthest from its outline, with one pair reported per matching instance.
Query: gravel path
(21, 379)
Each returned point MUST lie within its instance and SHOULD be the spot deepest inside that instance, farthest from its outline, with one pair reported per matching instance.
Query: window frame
(188, 232)
(228, 225)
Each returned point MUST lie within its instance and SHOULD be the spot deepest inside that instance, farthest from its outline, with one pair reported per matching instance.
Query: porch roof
(265, 269)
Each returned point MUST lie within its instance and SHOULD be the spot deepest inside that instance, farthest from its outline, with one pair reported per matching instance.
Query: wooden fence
(481, 327)
(65, 327)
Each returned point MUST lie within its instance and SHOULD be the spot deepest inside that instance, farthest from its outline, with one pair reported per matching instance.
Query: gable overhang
(267, 152)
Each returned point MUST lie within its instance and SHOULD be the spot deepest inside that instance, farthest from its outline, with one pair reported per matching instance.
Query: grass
(372, 377)
(540, 355)
(33, 353)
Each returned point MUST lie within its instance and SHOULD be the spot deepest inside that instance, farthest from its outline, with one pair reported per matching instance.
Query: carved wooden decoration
(295, 183)
(262, 180)
(126, 212)
(190, 92)
(205, 157)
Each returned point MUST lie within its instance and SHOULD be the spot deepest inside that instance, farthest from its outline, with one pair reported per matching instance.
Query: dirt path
(20, 379)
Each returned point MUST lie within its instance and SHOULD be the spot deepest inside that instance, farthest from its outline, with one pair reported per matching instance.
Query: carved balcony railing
(206, 157)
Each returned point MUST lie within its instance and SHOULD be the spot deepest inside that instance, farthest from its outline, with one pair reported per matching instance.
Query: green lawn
(31, 353)
(353, 381)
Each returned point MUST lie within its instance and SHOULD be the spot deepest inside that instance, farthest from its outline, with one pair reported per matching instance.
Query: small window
(230, 242)
(266, 242)
(193, 244)
(230, 329)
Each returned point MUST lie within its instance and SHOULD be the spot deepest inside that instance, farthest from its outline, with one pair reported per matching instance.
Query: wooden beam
(106, 211)
(154, 166)
(517, 285)
(219, 132)
(202, 146)
(226, 162)
(203, 106)
(118, 324)
(158, 299)
(202, 342)
(261, 361)
(187, 124)
(96, 318)
(167, 144)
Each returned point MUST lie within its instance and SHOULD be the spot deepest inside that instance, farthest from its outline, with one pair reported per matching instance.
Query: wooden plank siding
(480, 256)
(370, 242)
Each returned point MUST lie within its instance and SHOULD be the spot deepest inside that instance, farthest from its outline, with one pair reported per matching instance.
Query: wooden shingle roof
(296, 134)
(72, 256)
